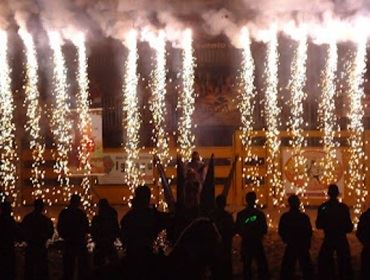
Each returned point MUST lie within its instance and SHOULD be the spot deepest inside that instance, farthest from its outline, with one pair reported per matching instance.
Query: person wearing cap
(73, 227)
(37, 229)
(333, 217)
(296, 231)
(251, 225)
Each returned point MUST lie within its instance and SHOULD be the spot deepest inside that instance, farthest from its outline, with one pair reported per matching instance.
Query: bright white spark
(296, 121)
(131, 112)
(186, 101)
(84, 119)
(158, 102)
(272, 119)
(33, 113)
(327, 119)
(61, 116)
(8, 174)
(356, 168)
(246, 103)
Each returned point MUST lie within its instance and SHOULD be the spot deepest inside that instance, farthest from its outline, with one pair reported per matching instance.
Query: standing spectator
(334, 218)
(363, 234)
(73, 227)
(296, 231)
(225, 225)
(37, 229)
(105, 231)
(251, 226)
(139, 228)
(9, 234)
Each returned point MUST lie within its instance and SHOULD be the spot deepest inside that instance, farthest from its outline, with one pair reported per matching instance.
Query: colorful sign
(311, 172)
(95, 146)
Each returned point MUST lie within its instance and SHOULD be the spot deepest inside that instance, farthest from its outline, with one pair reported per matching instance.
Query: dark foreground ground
(274, 249)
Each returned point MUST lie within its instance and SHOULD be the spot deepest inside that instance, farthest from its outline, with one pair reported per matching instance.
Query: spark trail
(8, 174)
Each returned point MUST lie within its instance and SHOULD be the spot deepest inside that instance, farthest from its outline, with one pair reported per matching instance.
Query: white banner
(114, 168)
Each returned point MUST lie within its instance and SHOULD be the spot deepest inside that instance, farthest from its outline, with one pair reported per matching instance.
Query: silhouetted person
(37, 230)
(196, 167)
(73, 227)
(139, 228)
(296, 231)
(363, 234)
(104, 231)
(9, 234)
(225, 225)
(334, 218)
(251, 226)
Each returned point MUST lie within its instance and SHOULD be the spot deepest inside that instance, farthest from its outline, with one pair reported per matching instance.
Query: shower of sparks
(61, 124)
(296, 121)
(272, 112)
(186, 100)
(84, 119)
(327, 119)
(356, 168)
(8, 174)
(131, 112)
(33, 113)
(246, 105)
(158, 102)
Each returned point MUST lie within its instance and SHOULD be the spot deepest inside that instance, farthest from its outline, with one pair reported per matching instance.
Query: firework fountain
(132, 113)
(158, 102)
(355, 73)
(33, 113)
(327, 118)
(296, 121)
(186, 99)
(272, 113)
(8, 174)
(61, 124)
(84, 120)
(246, 106)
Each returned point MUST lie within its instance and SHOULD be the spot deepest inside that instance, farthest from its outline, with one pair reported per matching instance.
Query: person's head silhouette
(251, 198)
(75, 201)
(38, 205)
(333, 191)
(103, 204)
(142, 196)
(294, 202)
(5, 208)
(221, 201)
(195, 156)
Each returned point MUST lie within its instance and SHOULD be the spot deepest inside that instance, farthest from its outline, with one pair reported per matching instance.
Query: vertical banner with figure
(95, 147)
(312, 170)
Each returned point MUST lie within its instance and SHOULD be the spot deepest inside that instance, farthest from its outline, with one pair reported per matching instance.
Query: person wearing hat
(334, 219)
(37, 229)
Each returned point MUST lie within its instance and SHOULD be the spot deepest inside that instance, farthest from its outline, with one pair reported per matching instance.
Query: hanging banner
(95, 146)
(312, 170)
(114, 168)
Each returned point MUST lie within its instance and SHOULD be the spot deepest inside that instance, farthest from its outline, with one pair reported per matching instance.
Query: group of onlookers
(201, 243)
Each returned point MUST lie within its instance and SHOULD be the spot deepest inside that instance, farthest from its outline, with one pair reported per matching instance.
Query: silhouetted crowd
(193, 240)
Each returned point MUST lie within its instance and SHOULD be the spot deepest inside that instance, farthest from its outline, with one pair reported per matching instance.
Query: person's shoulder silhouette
(295, 226)
(141, 225)
(334, 216)
(251, 222)
(73, 224)
(10, 231)
(37, 227)
(363, 228)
